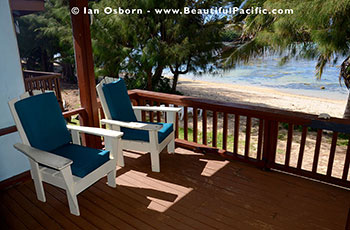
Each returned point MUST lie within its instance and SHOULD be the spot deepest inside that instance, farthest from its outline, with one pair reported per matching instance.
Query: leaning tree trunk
(347, 109)
(345, 75)
(68, 73)
(175, 80)
(149, 80)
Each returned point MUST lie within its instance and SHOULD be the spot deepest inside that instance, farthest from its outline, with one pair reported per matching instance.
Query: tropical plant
(46, 38)
(317, 29)
(144, 45)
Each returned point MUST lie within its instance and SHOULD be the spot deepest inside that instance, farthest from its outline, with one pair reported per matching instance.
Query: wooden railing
(268, 138)
(291, 142)
(35, 80)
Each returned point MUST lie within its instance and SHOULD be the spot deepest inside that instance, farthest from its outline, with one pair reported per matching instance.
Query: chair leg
(120, 156)
(171, 146)
(155, 161)
(73, 203)
(38, 183)
(71, 195)
(111, 178)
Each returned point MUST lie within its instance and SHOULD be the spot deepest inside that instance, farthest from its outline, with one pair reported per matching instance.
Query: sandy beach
(261, 96)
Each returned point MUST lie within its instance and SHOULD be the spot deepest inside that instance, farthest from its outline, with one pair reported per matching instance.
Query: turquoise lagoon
(296, 77)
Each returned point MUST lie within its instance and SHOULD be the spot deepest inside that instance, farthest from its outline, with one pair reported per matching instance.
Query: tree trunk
(347, 109)
(157, 74)
(149, 80)
(44, 62)
(68, 73)
(175, 80)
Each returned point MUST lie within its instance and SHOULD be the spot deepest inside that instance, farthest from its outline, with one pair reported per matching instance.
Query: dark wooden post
(270, 143)
(85, 67)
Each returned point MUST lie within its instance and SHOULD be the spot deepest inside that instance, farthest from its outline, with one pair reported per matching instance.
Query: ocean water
(296, 77)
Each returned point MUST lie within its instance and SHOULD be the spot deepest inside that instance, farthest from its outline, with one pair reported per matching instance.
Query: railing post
(270, 143)
(85, 68)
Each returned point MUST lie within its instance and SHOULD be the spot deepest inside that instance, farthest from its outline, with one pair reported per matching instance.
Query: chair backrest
(115, 100)
(40, 121)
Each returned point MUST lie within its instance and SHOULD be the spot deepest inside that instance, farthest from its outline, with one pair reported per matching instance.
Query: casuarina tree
(317, 29)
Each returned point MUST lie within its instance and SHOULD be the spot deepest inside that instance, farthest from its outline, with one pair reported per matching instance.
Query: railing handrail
(39, 73)
(42, 77)
(280, 115)
(38, 80)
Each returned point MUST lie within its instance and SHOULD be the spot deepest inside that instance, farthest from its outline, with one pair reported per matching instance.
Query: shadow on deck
(193, 191)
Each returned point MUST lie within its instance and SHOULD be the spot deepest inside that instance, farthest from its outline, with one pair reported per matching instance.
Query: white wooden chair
(55, 155)
(122, 116)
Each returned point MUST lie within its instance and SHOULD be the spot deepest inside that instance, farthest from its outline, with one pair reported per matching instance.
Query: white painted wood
(76, 137)
(56, 170)
(71, 194)
(43, 157)
(95, 131)
(24, 95)
(138, 114)
(157, 108)
(103, 99)
(38, 182)
(171, 145)
(36, 92)
(132, 125)
(115, 144)
(153, 147)
(18, 123)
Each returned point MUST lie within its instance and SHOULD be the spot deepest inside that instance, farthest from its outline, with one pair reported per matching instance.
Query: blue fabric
(85, 159)
(142, 135)
(43, 122)
(118, 101)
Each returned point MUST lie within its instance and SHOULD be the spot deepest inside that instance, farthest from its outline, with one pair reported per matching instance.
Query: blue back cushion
(143, 135)
(85, 159)
(118, 101)
(43, 122)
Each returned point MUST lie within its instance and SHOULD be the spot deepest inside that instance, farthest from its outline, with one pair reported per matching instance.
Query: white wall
(12, 162)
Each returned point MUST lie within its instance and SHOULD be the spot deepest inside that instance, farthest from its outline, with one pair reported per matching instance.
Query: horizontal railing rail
(37, 80)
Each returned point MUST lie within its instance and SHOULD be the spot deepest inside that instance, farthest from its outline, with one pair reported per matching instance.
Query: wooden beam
(27, 5)
(85, 67)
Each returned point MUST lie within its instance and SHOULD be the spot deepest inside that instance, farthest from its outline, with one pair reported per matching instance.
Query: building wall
(12, 162)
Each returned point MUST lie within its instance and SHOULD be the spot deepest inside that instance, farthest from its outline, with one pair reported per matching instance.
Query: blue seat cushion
(43, 122)
(143, 135)
(85, 159)
(118, 101)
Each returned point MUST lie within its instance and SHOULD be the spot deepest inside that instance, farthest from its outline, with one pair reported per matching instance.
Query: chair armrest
(43, 157)
(133, 125)
(95, 131)
(157, 108)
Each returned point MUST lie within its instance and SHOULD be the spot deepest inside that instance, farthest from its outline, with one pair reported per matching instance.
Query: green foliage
(47, 37)
(143, 45)
(316, 29)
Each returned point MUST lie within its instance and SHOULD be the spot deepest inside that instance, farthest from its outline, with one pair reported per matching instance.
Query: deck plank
(21, 213)
(49, 210)
(48, 222)
(9, 220)
(193, 191)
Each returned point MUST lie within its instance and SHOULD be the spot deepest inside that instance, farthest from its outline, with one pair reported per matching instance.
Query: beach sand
(268, 97)
(261, 96)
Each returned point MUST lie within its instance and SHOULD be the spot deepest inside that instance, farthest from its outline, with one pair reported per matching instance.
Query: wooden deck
(193, 191)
